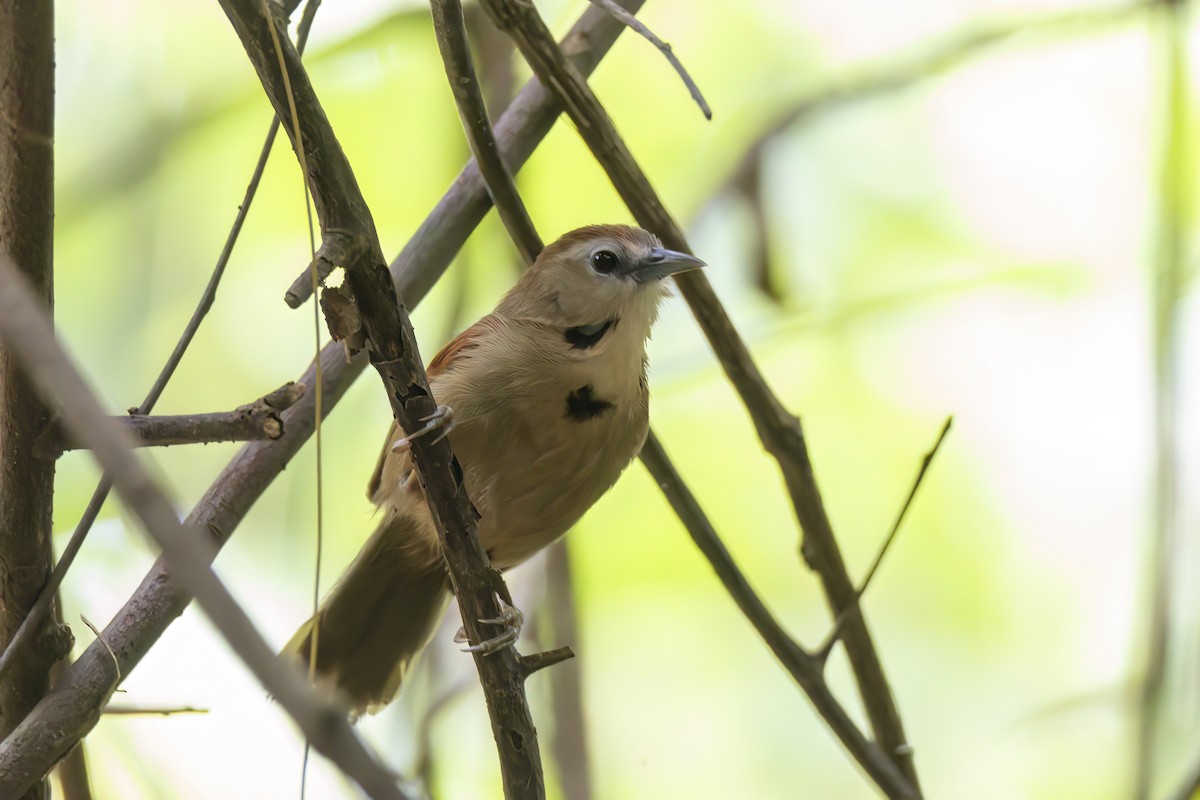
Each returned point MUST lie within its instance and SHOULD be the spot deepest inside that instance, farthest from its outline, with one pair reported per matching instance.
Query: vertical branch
(569, 740)
(26, 234)
(1168, 286)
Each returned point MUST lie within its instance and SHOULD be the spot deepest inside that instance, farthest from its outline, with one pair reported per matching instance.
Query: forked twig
(822, 653)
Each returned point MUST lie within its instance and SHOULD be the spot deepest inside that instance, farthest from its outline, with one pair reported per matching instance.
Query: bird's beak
(660, 263)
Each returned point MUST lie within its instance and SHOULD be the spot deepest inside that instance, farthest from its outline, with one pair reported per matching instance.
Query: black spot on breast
(585, 337)
(582, 404)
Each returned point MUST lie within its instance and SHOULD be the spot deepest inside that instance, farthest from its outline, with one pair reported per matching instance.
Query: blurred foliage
(976, 245)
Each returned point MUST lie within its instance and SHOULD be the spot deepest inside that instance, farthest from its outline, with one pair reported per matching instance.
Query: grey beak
(660, 263)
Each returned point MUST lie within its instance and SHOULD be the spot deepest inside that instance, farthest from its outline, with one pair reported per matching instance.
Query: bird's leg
(510, 617)
(442, 419)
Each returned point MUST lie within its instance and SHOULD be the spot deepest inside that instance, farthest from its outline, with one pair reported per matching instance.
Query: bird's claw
(442, 419)
(510, 617)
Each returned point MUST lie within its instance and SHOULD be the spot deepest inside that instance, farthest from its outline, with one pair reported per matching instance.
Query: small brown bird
(545, 401)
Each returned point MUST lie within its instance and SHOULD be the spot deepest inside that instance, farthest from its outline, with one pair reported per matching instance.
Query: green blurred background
(979, 244)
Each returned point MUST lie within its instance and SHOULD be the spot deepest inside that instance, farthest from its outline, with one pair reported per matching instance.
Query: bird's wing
(398, 464)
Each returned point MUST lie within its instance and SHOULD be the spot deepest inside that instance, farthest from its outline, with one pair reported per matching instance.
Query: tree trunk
(26, 233)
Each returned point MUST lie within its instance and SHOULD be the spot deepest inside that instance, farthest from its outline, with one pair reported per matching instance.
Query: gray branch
(26, 329)
(248, 423)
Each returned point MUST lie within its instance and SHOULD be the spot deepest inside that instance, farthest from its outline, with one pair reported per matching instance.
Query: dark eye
(605, 261)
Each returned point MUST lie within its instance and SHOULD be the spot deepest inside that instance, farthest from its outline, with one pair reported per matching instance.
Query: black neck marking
(585, 337)
(583, 405)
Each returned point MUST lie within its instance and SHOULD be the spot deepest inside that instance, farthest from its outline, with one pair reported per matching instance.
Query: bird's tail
(380, 614)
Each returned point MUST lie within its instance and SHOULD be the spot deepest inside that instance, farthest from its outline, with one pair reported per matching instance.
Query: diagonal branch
(803, 666)
(779, 430)
(25, 328)
(456, 55)
(41, 607)
(349, 240)
(62, 718)
(635, 24)
(835, 632)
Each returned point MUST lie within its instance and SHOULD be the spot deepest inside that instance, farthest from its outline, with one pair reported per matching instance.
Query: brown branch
(633, 22)
(835, 632)
(64, 717)
(802, 666)
(779, 430)
(349, 240)
(253, 421)
(25, 328)
(26, 234)
(568, 741)
(456, 56)
(41, 607)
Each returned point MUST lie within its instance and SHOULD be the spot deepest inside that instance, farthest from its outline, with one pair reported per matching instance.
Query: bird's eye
(605, 261)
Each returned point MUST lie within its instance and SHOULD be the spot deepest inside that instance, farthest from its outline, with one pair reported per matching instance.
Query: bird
(546, 402)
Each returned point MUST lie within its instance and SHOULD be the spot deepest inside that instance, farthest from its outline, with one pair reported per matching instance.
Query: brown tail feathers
(379, 616)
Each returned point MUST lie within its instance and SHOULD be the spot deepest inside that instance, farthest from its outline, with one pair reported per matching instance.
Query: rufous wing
(395, 465)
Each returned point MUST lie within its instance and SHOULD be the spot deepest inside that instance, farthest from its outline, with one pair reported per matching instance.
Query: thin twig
(802, 666)
(25, 328)
(451, 34)
(138, 711)
(779, 431)
(100, 638)
(664, 48)
(1174, 215)
(41, 606)
(62, 718)
(257, 420)
(835, 633)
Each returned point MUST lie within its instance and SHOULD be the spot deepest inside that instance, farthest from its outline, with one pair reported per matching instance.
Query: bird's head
(597, 275)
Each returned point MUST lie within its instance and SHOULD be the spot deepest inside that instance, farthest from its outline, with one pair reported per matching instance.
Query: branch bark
(807, 670)
(451, 31)
(779, 430)
(252, 421)
(26, 329)
(349, 240)
(26, 234)
(65, 716)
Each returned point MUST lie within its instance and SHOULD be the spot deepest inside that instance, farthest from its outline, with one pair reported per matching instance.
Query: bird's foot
(440, 420)
(510, 617)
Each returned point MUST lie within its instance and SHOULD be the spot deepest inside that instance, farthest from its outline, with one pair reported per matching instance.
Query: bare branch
(568, 741)
(27, 82)
(114, 710)
(802, 666)
(257, 420)
(456, 55)
(779, 431)
(835, 633)
(26, 329)
(62, 718)
(349, 240)
(539, 661)
(633, 22)
(41, 606)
